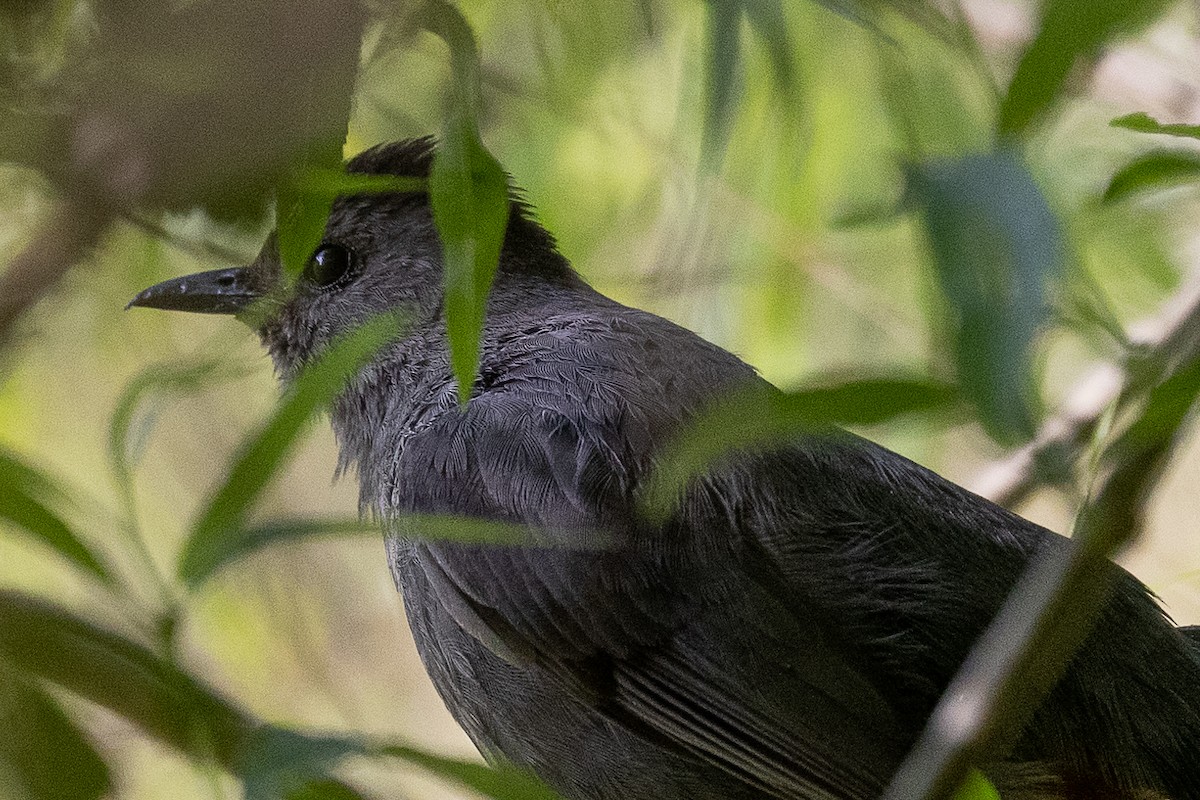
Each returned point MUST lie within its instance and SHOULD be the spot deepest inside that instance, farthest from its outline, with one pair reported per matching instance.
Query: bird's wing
(688, 640)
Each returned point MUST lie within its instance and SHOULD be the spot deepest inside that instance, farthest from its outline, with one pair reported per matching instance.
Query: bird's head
(380, 252)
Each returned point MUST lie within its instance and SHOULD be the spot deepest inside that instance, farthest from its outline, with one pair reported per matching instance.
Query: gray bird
(783, 634)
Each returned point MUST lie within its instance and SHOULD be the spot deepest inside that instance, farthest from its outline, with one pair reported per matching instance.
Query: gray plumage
(783, 635)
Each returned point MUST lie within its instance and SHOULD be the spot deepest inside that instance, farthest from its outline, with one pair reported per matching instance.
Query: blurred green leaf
(301, 215)
(1069, 31)
(976, 787)
(279, 764)
(52, 643)
(768, 20)
(43, 756)
(126, 438)
(23, 496)
(1156, 170)
(1166, 407)
(333, 183)
(723, 65)
(1144, 123)
(434, 526)
(324, 789)
(499, 783)
(758, 418)
(469, 194)
(996, 248)
(723, 76)
(261, 455)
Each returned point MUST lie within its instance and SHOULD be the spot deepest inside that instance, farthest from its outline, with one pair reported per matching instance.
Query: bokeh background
(797, 251)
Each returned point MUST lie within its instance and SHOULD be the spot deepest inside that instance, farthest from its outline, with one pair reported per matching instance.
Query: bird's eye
(329, 265)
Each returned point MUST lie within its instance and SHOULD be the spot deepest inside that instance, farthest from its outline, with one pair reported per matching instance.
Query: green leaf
(724, 63)
(301, 215)
(1156, 170)
(324, 789)
(469, 194)
(1070, 31)
(248, 541)
(768, 20)
(976, 787)
(723, 77)
(261, 455)
(126, 437)
(499, 783)
(334, 183)
(470, 198)
(996, 247)
(1144, 123)
(276, 763)
(24, 493)
(757, 418)
(52, 643)
(43, 756)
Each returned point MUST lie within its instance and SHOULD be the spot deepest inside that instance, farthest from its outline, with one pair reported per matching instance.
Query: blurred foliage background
(797, 197)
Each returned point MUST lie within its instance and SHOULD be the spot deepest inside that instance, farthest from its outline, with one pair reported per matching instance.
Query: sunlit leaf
(499, 783)
(263, 453)
(1070, 31)
(976, 787)
(123, 676)
(1156, 170)
(240, 544)
(278, 764)
(43, 756)
(757, 418)
(996, 248)
(1144, 123)
(24, 494)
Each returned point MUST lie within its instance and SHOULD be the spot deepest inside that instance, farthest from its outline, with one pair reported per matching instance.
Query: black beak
(221, 291)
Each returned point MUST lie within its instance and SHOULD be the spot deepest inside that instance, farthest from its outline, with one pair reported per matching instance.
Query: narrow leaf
(52, 643)
(996, 248)
(469, 194)
(245, 542)
(262, 454)
(756, 418)
(1144, 123)
(1156, 170)
(23, 495)
(276, 763)
(301, 215)
(499, 783)
(43, 756)
(976, 787)
(125, 441)
(333, 183)
(768, 20)
(1070, 31)
(723, 77)
(324, 789)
